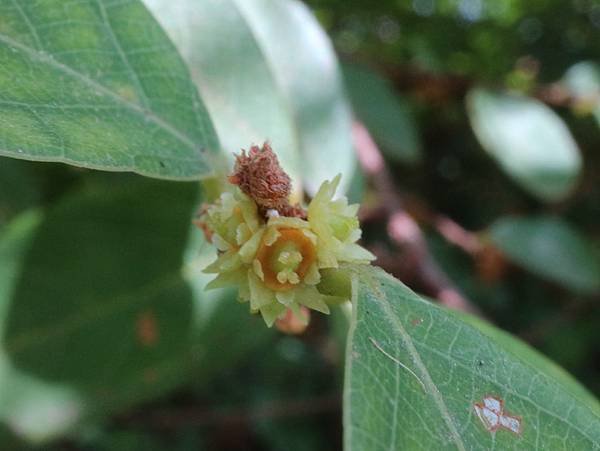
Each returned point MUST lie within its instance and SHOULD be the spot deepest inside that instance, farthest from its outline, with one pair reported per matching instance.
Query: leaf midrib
(389, 312)
(122, 55)
(426, 377)
(45, 58)
(30, 26)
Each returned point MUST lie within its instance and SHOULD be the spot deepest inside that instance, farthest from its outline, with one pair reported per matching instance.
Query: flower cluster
(276, 261)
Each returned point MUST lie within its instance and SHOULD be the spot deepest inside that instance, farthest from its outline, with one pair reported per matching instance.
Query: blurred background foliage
(429, 54)
(409, 67)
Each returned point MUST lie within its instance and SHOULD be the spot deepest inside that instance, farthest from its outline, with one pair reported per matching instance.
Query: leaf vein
(426, 377)
(48, 60)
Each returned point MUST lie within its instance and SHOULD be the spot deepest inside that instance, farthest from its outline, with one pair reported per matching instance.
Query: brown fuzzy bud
(259, 175)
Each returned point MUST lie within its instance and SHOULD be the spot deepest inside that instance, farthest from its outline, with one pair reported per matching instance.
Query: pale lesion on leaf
(493, 416)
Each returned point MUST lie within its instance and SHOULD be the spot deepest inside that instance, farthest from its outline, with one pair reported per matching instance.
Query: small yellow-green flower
(275, 263)
(336, 225)
(232, 219)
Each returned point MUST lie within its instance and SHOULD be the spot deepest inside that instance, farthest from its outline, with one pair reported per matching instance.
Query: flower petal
(286, 222)
(260, 295)
(354, 253)
(311, 298)
(220, 243)
(249, 249)
(285, 297)
(312, 276)
(225, 279)
(257, 267)
(271, 236)
(271, 312)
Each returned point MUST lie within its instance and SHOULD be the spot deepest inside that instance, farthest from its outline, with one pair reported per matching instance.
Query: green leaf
(529, 141)
(267, 72)
(102, 306)
(29, 405)
(415, 374)
(551, 248)
(384, 113)
(507, 341)
(357, 186)
(583, 81)
(97, 84)
(19, 189)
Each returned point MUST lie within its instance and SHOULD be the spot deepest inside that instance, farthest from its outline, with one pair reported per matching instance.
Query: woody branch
(412, 259)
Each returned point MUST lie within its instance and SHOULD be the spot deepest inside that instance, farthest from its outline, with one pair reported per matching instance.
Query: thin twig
(194, 416)
(441, 88)
(454, 233)
(403, 230)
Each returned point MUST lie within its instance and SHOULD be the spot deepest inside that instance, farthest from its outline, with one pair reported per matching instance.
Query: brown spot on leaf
(150, 375)
(417, 321)
(147, 328)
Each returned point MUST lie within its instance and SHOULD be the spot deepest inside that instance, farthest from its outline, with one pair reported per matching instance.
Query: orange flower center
(286, 261)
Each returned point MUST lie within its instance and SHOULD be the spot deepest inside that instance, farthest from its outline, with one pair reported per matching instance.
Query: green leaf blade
(387, 115)
(19, 189)
(583, 82)
(551, 248)
(102, 305)
(82, 277)
(528, 140)
(98, 85)
(267, 72)
(421, 391)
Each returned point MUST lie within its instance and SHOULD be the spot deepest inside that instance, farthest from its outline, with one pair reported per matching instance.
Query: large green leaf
(102, 305)
(416, 373)
(30, 406)
(19, 189)
(529, 141)
(97, 84)
(267, 72)
(550, 247)
(387, 116)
